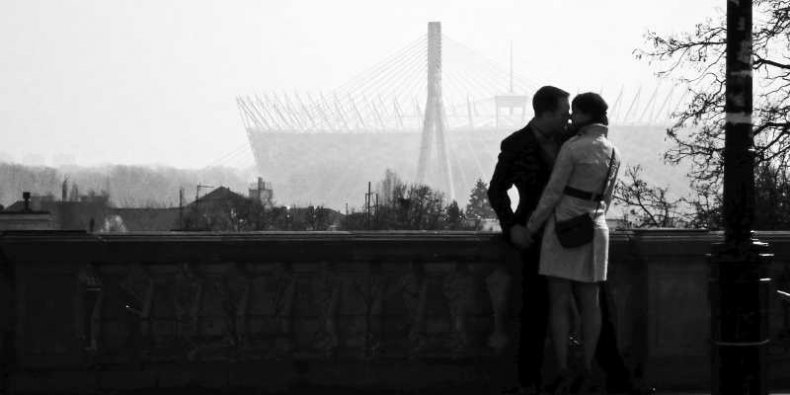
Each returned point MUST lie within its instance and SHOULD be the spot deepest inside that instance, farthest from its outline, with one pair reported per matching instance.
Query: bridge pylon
(434, 121)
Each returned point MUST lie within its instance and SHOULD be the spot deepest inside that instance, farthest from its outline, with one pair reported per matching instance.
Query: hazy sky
(154, 81)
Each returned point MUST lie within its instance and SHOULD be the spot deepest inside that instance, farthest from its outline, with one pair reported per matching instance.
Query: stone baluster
(188, 302)
(459, 291)
(139, 286)
(330, 288)
(237, 289)
(499, 284)
(283, 302)
(415, 295)
(373, 298)
(92, 302)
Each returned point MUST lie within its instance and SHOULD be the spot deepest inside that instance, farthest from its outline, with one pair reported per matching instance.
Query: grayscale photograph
(417, 197)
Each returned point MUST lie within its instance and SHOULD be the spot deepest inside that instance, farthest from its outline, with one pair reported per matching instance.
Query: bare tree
(648, 206)
(696, 59)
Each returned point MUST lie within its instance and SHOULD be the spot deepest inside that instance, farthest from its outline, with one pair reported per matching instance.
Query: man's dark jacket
(522, 163)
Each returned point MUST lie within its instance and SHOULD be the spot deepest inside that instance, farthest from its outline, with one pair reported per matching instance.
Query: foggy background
(107, 91)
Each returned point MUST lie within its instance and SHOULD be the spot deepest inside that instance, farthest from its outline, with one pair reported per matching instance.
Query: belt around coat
(584, 195)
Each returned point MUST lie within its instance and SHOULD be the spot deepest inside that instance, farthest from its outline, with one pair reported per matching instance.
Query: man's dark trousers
(534, 318)
(608, 353)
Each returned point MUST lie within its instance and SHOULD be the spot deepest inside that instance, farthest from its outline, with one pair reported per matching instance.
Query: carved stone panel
(188, 299)
(414, 286)
(679, 314)
(366, 292)
(235, 294)
(50, 333)
(327, 293)
(137, 295)
(92, 294)
(283, 286)
(499, 284)
(459, 289)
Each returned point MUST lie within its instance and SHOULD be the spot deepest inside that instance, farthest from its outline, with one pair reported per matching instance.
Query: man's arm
(553, 192)
(500, 183)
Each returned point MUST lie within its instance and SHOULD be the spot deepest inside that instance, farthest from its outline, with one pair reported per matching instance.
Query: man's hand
(520, 237)
(530, 240)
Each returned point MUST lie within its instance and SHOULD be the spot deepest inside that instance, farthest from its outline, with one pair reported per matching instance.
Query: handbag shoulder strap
(608, 173)
(606, 179)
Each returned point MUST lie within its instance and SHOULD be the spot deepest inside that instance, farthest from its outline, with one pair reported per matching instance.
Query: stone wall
(388, 310)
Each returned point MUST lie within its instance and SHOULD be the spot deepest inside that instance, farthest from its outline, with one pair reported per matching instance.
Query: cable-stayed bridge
(434, 112)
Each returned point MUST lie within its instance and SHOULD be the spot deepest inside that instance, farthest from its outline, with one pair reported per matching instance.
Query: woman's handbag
(579, 230)
(574, 232)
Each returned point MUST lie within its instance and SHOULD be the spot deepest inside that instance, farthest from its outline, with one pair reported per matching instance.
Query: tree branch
(762, 61)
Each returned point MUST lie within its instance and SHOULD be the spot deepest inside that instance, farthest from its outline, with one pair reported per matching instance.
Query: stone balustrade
(377, 310)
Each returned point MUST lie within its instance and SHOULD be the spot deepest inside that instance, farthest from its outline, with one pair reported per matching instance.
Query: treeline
(402, 206)
(127, 186)
(395, 205)
(236, 213)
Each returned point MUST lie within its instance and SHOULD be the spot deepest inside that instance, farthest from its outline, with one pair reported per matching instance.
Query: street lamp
(739, 280)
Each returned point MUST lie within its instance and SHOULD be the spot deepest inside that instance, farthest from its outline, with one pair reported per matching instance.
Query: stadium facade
(434, 112)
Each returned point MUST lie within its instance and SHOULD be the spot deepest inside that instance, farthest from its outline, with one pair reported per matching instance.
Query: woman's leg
(590, 311)
(559, 300)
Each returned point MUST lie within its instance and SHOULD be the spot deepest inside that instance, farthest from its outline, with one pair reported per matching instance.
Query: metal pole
(738, 149)
(181, 208)
(739, 283)
(367, 204)
(511, 71)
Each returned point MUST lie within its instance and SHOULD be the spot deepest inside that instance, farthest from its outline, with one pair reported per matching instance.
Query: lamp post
(739, 280)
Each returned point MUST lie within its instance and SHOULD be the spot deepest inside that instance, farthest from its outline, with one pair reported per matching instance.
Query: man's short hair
(547, 99)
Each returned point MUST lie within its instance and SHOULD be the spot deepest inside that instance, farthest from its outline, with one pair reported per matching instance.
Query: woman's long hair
(592, 104)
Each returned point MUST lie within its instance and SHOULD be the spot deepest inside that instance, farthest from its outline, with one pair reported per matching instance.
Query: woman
(583, 164)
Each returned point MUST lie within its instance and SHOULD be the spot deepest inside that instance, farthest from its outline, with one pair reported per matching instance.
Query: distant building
(31, 202)
(220, 197)
(24, 217)
(79, 212)
(262, 191)
(221, 210)
(224, 210)
(40, 220)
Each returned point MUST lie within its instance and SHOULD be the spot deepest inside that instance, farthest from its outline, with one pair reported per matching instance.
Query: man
(525, 161)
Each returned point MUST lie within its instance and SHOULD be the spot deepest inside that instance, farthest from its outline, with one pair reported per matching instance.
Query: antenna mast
(511, 66)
